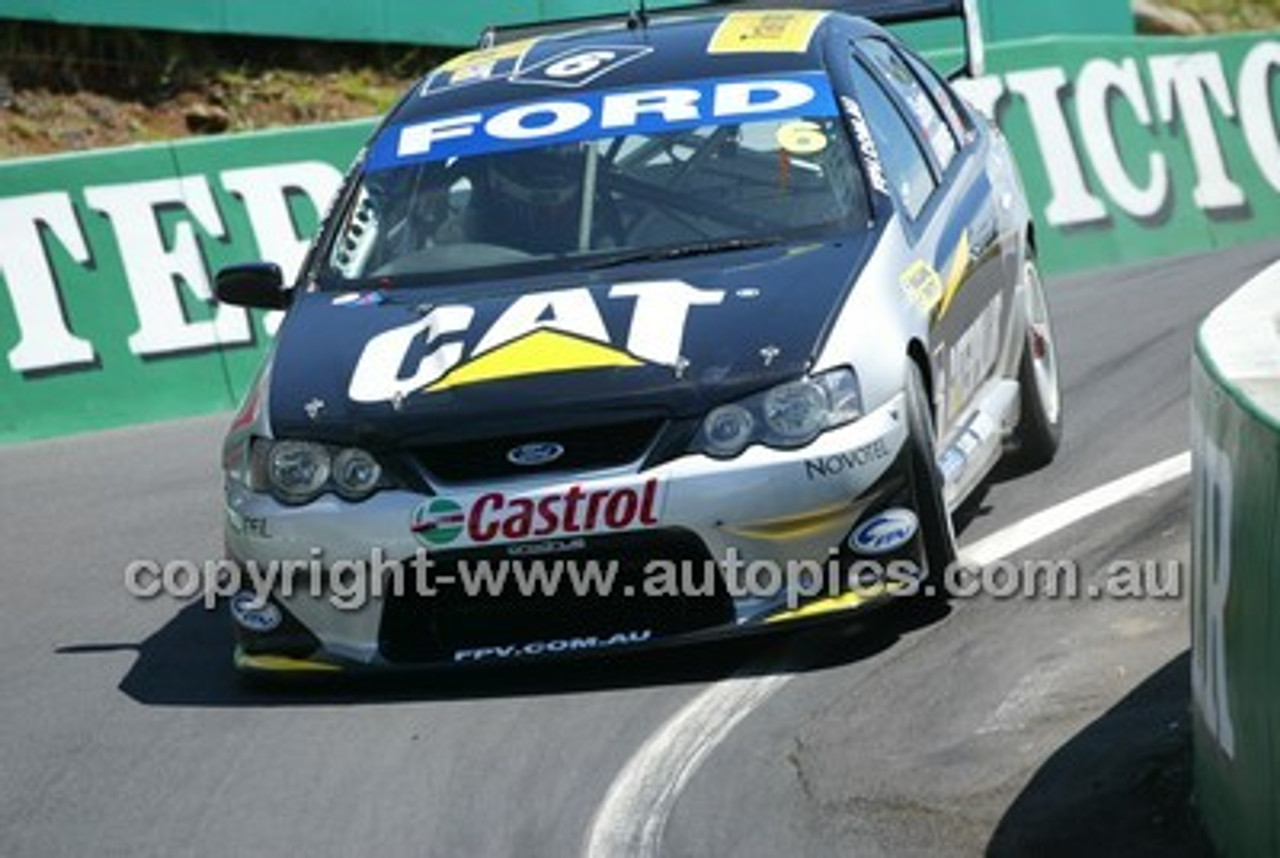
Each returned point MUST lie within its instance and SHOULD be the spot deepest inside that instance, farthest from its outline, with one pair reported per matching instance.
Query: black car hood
(405, 365)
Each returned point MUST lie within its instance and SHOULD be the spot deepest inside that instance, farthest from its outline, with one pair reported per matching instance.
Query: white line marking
(1020, 704)
(1025, 698)
(633, 816)
(1031, 530)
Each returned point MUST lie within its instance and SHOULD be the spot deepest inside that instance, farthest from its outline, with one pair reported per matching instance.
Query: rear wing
(881, 11)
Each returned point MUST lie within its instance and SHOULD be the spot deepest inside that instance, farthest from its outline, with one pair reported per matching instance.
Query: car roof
(668, 49)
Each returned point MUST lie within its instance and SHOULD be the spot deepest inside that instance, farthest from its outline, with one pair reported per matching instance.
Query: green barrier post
(1235, 604)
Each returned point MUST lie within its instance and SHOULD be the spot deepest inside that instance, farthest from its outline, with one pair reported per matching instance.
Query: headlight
(355, 473)
(727, 430)
(844, 395)
(795, 413)
(789, 415)
(298, 470)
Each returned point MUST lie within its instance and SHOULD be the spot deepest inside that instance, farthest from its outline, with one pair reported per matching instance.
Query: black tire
(937, 534)
(1039, 430)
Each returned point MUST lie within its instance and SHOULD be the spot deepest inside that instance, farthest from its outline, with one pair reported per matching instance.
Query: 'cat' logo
(542, 332)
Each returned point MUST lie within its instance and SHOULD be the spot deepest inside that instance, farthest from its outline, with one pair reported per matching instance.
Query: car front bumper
(752, 517)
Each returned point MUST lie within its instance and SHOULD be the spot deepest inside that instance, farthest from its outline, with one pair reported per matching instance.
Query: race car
(634, 332)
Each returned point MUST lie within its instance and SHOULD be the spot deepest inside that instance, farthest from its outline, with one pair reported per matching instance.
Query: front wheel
(1039, 428)
(936, 532)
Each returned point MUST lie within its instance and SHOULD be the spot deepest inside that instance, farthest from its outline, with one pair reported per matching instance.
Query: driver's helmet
(532, 199)
(408, 203)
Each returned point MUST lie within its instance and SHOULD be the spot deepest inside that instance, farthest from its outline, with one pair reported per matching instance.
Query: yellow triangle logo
(535, 353)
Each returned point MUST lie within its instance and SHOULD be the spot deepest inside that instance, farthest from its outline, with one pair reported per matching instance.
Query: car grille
(588, 448)
(418, 628)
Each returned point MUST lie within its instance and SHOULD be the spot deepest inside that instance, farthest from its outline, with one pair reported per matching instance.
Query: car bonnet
(406, 365)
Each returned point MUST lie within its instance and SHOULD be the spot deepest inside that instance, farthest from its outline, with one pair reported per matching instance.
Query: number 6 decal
(580, 66)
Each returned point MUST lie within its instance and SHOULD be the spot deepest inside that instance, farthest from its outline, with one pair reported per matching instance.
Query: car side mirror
(256, 284)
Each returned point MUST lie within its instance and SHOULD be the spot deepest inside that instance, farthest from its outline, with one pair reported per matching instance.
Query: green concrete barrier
(107, 316)
(459, 24)
(1138, 148)
(1235, 544)
(1131, 149)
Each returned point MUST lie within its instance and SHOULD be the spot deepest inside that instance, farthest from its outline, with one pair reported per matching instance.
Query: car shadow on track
(975, 507)
(187, 663)
(1122, 786)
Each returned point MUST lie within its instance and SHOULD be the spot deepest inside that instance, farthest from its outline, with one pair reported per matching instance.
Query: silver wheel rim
(1044, 354)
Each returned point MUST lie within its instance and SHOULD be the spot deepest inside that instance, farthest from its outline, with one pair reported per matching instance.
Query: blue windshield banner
(581, 116)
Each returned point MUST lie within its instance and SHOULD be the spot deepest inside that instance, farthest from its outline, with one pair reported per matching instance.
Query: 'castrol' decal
(497, 517)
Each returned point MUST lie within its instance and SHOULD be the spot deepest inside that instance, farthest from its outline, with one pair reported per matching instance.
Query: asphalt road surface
(997, 726)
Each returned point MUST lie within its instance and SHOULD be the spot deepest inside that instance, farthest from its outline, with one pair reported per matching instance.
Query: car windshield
(600, 201)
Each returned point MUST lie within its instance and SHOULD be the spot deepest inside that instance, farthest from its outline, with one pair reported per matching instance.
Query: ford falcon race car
(640, 332)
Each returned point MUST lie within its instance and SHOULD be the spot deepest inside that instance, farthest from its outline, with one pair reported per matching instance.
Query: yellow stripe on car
(790, 528)
(843, 602)
(282, 664)
(956, 272)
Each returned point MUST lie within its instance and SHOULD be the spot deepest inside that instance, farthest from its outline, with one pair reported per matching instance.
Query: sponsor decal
(553, 647)
(578, 116)
(548, 546)
(438, 521)
(254, 615)
(765, 33)
(538, 333)
(259, 527)
(499, 516)
(580, 66)
(953, 464)
(972, 357)
(928, 289)
(866, 144)
(535, 453)
(826, 467)
(957, 458)
(922, 284)
(884, 532)
(358, 299)
(477, 66)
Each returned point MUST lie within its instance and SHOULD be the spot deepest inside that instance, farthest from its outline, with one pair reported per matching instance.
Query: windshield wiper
(684, 251)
